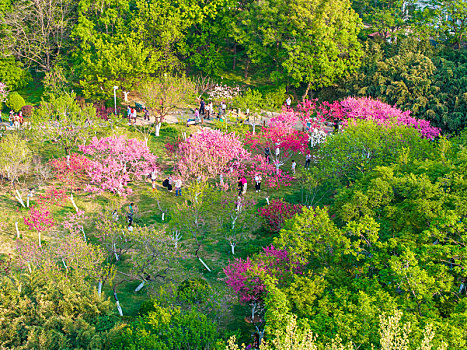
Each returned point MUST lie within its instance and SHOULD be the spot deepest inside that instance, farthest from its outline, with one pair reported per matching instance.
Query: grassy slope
(215, 251)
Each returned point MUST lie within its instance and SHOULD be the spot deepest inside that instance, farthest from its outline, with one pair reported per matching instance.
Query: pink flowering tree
(73, 223)
(209, 154)
(313, 113)
(247, 278)
(382, 113)
(71, 171)
(115, 162)
(39, 219)
(277, 212)
(282, 142)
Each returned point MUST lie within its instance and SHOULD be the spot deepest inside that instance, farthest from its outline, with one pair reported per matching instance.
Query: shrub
(194, 291)
(277, 212)
(27, 110)
(15, 101)
(275, 98)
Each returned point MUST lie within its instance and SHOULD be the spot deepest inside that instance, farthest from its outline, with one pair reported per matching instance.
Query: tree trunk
(232, 245)
(40, 242)
(140, 286)
(305, 95)
(99, 288)
(163, 215)
(17, 231)
(158, 128)
(206, 266)
(247, 65)
(120, 312)
(73, 202)
(19, 198)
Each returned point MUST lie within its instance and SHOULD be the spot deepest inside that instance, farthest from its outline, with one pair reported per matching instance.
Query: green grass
(215, 248)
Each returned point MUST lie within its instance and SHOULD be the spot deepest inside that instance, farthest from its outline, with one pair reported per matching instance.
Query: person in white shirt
(178, 187)
(288, 102)
(294, 165)
(307, 160)
(258, 182)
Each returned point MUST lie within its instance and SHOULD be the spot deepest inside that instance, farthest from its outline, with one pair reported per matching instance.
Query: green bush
(166, 328)
(275, 98)
(15, 101)
(194, 290)
(12, 74)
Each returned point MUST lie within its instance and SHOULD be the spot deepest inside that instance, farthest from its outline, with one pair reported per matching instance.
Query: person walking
(288, 102)
(224, 107)
(244, 185)
(307, 160)
(153, 179)
(133, 115)
(258, 182)
(208, 111)
(128, 114)
(202, 104)
(294, 165)
(178, 187)
(211, 109)
(267, 154)
(240, 186)
(146, 114)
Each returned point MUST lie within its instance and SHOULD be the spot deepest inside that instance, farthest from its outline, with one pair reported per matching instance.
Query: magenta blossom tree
(282, 142)
(312, 114)
(277, 212)
(382, 113)
(39, 219)
(246, 277)
(115, 162)
(211, 153)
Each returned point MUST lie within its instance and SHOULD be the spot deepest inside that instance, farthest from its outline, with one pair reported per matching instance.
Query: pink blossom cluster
(210, 153)
(277, 212)
(246, 277)
(382, 113)
(288, 141)
(73, 222)
(313, 114)
(52, 196)
(71, 171)
(271, 176)
(287, 120)
(116, 161)
(39, 219)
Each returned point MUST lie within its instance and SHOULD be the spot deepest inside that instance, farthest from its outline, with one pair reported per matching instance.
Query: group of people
(170, 183)
(131, 115)
(14, 119)
(206, 110)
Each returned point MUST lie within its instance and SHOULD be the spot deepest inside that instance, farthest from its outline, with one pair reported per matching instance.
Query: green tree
(40, 313)
(63, 121)
(15, 101)
(166, 94)
(309, 42)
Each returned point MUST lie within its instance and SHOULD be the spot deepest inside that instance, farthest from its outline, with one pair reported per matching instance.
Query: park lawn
(215, 249)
